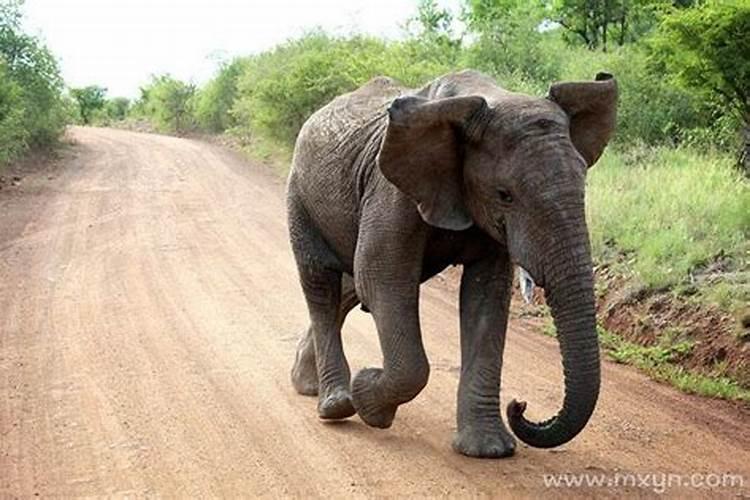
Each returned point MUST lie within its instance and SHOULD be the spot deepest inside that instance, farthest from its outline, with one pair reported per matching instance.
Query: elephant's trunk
(570, 294)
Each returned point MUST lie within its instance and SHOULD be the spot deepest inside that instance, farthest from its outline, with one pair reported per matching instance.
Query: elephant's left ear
(592, 108)
(421, 154)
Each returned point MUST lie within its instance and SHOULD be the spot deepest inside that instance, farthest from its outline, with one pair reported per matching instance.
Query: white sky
(119, 43)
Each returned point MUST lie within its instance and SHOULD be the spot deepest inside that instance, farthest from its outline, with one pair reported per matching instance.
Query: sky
(118, 44)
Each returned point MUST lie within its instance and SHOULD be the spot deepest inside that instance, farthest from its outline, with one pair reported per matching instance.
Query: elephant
(391, 185)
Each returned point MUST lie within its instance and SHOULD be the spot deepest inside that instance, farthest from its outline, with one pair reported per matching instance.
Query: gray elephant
(390, 185)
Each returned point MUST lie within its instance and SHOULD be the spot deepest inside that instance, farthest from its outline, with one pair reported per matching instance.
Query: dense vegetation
(33, 108)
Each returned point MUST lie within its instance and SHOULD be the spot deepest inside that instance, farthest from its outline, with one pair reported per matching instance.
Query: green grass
(662, 213)
(659, 362)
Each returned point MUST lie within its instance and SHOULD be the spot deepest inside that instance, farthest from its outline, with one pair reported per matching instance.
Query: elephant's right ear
(421, 154)
(592, 108)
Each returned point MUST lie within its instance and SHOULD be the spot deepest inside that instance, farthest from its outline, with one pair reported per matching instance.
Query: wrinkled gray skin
(391, 185)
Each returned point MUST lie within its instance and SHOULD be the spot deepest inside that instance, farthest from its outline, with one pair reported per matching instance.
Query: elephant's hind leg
(321, 284)
(305, 370)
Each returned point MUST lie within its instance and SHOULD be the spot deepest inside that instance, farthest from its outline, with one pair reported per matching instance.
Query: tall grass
(668, 211)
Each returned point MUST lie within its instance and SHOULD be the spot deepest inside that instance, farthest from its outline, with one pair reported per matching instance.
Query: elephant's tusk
(527, 285)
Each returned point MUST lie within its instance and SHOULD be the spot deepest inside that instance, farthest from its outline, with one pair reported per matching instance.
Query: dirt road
(149, 310)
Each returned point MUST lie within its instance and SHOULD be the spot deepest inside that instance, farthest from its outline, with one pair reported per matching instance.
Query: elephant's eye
(505, 197)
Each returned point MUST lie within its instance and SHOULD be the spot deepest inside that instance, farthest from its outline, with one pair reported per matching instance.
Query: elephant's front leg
(388, 266)
(376, 392)
(485, 300)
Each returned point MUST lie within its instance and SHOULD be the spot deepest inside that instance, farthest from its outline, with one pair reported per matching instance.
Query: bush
(214, 101)
(13, 135)
(91, 101)
(278, 90)
(34, 109)
(509, 43)
(168, 103)
(706, 49)
(116, 109)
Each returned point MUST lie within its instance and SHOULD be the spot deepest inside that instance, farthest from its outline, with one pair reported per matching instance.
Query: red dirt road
(149, 310)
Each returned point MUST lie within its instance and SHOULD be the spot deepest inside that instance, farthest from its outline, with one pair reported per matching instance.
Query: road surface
(149, 310)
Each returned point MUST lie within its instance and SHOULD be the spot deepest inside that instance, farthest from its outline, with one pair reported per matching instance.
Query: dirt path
(149, 310)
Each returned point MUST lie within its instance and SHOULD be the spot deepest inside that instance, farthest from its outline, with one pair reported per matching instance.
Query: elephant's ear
(592, 108)
(421, 154)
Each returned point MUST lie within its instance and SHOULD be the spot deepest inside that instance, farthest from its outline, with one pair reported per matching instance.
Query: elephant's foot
(305, 371)
(480, 443)
(368, 399)
(336, 405)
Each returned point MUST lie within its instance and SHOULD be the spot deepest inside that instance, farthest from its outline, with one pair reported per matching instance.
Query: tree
(13, 135)
(117, 108)
(168, 102)
(214, 102)
(90, 99)
(432, 20)
(34, 70)
(509, 38)
(600, 23)
(706, 48)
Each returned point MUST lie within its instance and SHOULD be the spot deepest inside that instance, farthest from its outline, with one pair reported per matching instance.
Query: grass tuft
(659, 363)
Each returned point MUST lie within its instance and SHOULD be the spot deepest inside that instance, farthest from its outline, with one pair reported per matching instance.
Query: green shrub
(13, 135)
(214, 101)
(116, 109)
(34, 109)
(278, 90)
(168, 104)
(706, 49)
(91, 101)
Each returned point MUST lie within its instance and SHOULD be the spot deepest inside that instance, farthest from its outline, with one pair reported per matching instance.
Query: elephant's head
(515, 166)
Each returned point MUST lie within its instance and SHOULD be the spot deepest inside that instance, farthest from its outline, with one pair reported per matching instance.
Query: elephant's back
(339, 124)
(334, 154)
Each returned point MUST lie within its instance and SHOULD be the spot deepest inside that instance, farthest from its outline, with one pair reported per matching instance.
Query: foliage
(90, 99)
(13, 135)
(603, 23)
(508, 41)
(281, 88)
(32, 87)
(214, 101)
(706, 49)
(433, 25)
(116, 109)
(168, 103)
(113, 111)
